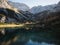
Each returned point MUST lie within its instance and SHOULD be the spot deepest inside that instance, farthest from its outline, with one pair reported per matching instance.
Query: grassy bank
(10, 25)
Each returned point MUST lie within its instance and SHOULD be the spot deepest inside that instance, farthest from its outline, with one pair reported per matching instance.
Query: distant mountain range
(38, 9)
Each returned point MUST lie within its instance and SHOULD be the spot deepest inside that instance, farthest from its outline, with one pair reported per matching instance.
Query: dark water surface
(29, 37)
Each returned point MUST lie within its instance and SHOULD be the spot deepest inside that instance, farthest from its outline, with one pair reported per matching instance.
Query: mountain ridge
(20, 6)
(40, 8)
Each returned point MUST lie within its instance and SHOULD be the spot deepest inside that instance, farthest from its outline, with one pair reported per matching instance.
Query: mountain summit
(4, 4)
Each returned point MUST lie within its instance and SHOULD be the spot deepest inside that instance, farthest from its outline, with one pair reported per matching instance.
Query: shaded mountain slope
(48, 19)
(17, 16)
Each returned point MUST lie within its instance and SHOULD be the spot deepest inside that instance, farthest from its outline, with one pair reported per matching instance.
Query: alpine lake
(29, 36)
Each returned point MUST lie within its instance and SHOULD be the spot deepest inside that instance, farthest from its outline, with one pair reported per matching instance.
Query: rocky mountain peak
(3, 4)
(3, 0)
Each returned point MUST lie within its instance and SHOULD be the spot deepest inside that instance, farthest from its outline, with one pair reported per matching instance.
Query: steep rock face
(4, 4)
(12, 16)
(26, 15)
(19, 6)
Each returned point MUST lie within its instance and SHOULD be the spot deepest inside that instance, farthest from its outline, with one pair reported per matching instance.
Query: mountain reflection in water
(29, 37)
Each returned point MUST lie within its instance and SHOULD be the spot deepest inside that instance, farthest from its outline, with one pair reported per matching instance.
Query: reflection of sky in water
(30, 42)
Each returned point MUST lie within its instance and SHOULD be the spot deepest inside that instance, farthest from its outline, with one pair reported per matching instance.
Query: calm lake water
(18, 36)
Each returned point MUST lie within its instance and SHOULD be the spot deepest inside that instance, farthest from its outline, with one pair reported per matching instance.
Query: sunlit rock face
(4, 4)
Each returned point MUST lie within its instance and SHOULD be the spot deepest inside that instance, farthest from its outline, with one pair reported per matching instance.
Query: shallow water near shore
(21, 36)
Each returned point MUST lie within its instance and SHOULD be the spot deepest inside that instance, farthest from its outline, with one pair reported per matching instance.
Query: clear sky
(32, 3)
